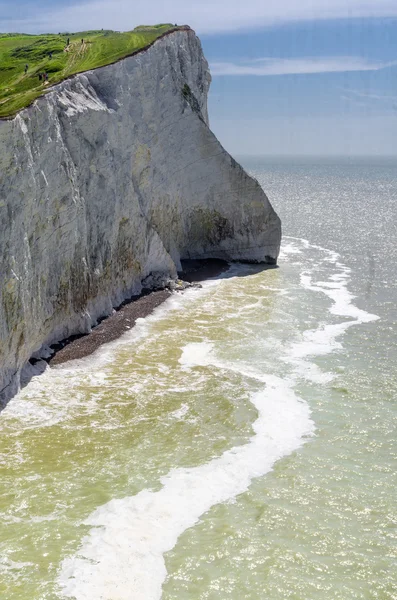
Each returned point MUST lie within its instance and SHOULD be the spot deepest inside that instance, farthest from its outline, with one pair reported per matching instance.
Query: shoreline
(125, 316)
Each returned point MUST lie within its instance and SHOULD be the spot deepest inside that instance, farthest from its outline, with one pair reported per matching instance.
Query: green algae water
(239, 442)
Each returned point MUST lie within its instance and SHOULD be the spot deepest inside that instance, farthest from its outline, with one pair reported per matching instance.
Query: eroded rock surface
(110, 180)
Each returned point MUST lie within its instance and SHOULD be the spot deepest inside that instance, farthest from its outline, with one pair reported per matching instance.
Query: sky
(290, 77)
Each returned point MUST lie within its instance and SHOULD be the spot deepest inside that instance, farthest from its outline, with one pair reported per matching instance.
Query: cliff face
(112, 178)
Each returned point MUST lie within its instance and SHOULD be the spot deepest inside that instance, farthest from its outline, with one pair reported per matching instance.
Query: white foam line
(323, 340)
(123, 556)
(142, 327)
(307, 245)
(34, 411)
(317, 341)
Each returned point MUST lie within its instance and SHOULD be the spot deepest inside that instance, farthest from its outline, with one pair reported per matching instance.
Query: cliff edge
(106, 183)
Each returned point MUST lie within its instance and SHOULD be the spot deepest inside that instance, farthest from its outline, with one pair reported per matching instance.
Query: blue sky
(289, 76)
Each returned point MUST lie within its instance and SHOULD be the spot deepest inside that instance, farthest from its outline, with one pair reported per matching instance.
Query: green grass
(18, 90)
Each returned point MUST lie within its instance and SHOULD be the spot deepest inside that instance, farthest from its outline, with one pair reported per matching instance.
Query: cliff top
(31, 64)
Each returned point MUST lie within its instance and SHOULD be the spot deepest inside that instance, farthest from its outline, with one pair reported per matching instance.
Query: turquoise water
(240, 442)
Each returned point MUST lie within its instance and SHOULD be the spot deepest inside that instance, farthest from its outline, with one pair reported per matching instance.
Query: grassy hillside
(50, 54)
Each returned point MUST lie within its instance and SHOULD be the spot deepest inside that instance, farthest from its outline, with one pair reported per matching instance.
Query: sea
(238, 443)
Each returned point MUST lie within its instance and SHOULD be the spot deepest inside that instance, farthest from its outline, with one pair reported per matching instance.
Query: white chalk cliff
(107, 181)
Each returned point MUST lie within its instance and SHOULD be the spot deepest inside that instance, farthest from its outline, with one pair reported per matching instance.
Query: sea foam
(123, 555)
(324, 339)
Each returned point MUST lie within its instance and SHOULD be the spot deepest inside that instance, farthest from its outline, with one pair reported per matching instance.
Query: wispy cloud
(369, 95)
(295, 66)
(207, 16)
(370, 101)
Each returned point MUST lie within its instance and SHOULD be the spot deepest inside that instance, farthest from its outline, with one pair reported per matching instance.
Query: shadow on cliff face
(194, 271)
(200, 270)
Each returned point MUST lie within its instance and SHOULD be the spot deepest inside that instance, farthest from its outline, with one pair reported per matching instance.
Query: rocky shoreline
(124, 317)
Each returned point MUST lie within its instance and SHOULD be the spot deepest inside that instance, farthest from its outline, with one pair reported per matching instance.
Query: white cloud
(294, 66)
(206, 16)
